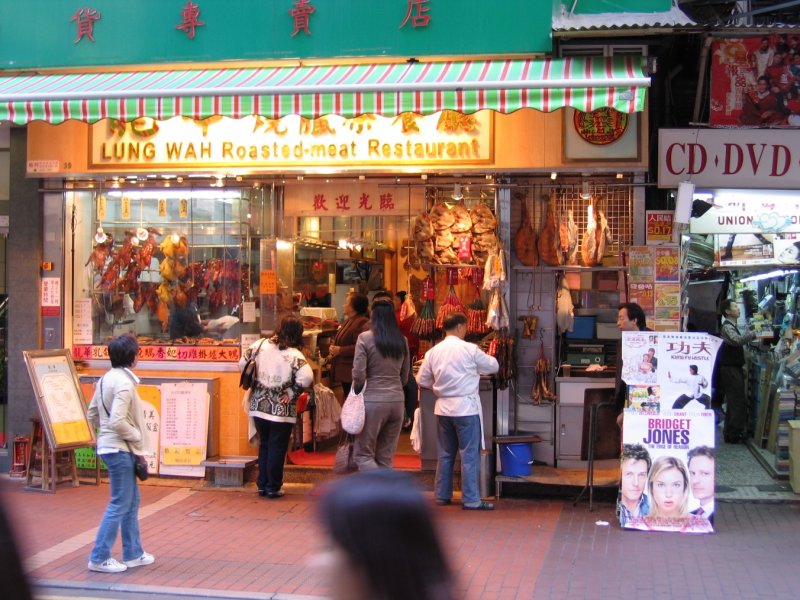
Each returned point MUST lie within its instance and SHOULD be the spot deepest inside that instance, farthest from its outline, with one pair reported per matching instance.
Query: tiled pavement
(233, 541)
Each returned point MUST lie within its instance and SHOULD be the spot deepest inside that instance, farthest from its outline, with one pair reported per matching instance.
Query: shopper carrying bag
(353, 412)
(117, 410)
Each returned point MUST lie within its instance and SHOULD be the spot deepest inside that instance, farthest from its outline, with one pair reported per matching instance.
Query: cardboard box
(606, 281)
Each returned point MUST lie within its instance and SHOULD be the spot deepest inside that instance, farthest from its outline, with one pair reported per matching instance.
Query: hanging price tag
(101, 207)
(125, 208)
(452, 276)
(183, 208)
(162, 207)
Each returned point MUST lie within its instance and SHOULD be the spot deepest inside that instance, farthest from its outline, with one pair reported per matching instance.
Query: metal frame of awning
(584, 83)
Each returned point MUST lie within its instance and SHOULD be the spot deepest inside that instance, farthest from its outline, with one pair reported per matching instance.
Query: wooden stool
(50, 467)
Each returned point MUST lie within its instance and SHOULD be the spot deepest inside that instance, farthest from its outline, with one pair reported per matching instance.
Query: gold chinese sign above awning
(332, 142)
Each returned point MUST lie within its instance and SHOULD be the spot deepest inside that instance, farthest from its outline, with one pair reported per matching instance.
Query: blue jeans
(122, 511)
(454, 434)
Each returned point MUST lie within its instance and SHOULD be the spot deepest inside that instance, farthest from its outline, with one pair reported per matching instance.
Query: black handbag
(249, 376)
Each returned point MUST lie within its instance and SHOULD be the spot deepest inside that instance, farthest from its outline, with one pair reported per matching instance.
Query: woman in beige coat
(117, 409)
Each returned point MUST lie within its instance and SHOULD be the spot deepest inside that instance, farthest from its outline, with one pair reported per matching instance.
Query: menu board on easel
(60, 399)
(184, 428)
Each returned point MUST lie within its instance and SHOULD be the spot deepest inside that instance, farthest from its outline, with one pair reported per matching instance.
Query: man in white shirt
(695, 384)
(452, 369)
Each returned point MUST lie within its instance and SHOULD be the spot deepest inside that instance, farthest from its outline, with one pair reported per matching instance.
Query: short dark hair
(700, 451)
(453, 320)
(693, 368)
(381, 294)
(359, 302)
(635, 313)
(726, 305)
(635, 452)
(402, 295)
(289, 334)
(376, 516)
(122, 350)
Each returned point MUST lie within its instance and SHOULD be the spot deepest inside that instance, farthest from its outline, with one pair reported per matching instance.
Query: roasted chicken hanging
(594, 240)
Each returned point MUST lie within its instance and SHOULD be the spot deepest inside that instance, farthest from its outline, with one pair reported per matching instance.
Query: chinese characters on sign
(192, 353)
(301, 13)
(190, 15)
(416, 13)
(85, 18)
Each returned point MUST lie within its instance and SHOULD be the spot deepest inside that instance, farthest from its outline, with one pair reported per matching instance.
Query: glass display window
(170, 266)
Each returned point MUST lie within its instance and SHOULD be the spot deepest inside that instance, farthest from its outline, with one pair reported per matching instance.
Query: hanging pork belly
(549, 245)
(525, 239)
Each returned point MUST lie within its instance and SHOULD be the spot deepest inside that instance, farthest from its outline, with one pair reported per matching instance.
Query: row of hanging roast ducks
(557, 242)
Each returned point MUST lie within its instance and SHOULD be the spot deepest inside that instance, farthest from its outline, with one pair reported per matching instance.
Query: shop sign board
(328, 143)
(668, 460)
(221, 353)
(317, 198)
(659, 226)
(110, 32)
(748, 211)
(726, 158)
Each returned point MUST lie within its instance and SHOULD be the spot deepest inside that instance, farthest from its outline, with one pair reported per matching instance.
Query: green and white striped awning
(584, 83)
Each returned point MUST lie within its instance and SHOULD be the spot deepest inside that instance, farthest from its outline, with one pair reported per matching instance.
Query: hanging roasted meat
(572, 239)
(549, 245)
(593, 243)
(525, 239)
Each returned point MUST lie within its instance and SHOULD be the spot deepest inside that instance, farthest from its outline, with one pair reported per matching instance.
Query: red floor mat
(325, 459)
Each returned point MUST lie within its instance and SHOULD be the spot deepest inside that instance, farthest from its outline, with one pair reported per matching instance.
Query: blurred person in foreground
(381, 362)
(283, 373)
(383, 543)
(453, 369)
(117, 410)
(15, 584)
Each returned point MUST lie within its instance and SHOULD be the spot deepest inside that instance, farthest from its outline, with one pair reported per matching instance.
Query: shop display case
(171, 267)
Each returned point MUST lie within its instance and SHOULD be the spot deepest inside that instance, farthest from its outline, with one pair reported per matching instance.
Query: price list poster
(184, 428)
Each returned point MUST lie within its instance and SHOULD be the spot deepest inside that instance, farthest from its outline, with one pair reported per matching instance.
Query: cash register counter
(572, 421)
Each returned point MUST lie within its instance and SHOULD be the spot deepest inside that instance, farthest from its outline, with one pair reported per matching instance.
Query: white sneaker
(145, 559)
(109, 565)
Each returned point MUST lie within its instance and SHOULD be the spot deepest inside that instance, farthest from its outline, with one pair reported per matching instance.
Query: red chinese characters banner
(755, 81)
(182, 353)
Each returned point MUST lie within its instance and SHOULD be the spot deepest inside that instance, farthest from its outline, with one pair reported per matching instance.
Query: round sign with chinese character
(600, 127)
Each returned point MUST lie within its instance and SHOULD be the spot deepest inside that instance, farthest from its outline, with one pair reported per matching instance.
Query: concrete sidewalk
(235, 544)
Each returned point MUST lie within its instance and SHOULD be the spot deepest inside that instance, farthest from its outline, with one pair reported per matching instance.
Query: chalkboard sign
(61, 402)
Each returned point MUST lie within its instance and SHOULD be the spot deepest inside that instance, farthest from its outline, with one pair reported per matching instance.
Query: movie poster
(755, 81)
(668, 458)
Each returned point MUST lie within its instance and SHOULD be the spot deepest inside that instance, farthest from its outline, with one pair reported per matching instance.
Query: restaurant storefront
(238, 191)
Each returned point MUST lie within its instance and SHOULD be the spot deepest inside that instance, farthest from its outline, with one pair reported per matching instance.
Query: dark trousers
(731, 385)
(683, 400)
(272, 447)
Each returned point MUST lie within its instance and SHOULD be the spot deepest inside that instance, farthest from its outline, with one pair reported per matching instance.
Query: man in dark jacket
(730, 380)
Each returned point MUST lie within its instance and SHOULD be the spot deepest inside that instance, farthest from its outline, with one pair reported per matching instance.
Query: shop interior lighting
(457, 195)
(620, 175)
(179, 179)
(424, 177)
(770, 275)
(585, 193)
(362, 177)
(553, 175)
(299, 178)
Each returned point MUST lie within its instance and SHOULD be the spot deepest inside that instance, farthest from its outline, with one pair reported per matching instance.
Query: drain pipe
(703, 67)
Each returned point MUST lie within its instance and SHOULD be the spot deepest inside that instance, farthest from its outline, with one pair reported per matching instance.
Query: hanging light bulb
(100, 236)
(585, 193)
(457, 195)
